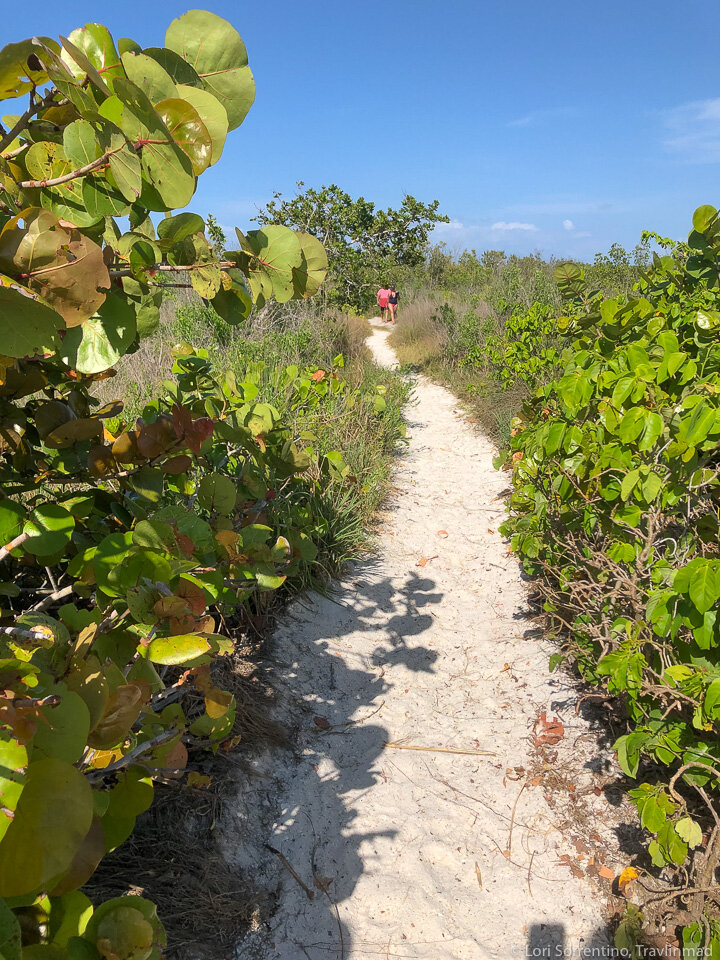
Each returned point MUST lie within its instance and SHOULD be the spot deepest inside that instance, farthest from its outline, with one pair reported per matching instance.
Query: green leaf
(10, 937)
(216, 52)
(628, 751)
(13, 764)
(65, 731)
(50, 527)
(213, 115)
(12, 519)
(217, 492)
(274, 251)
(704, 217)
(310, 275)
(147, 74)
(30, 327)
(51, 821)
(188, 131)
(177, 650)
(712, 699)
(95, 42)
(99, 342)
(695, 428)
(689, 830)
(163, 163)
(180, 227)
(705, 587)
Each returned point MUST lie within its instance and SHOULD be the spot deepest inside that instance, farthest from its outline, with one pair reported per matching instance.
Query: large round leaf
(64, 732)
(49, 528)
(188, 131)
(177, 650)
(233, 301)
(212, 113)
(99, 342)
(215, 50)
(98, 56)
(149, 76)
(276, 252)
(12, 518)
(28, 327)
(309, 276)
(16, 73)
(164, 164)
(51, 821)
(217, 492)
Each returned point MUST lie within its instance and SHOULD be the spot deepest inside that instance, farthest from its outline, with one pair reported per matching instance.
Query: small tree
(364, 245)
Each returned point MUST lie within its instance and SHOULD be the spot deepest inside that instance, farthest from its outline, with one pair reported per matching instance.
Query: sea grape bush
(125, 546)
(525, 351)
(616, 510)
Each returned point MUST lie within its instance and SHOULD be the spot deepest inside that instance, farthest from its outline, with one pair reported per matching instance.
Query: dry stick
(512, 817)
(285, 862)
(471, 753)
(50, 600)
(18, 541)
(73, 174)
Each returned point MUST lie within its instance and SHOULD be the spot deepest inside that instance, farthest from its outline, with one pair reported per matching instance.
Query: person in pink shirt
(382, 298)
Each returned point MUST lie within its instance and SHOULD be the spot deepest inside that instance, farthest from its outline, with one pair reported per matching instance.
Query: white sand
(412, 843)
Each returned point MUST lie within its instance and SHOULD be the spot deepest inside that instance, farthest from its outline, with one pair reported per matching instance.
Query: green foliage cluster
(365, 247)
(128, 543)
(524, 351)
(616, 510)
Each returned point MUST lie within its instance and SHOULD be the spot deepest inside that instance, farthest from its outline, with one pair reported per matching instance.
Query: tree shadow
(313, 856)
(548, 941)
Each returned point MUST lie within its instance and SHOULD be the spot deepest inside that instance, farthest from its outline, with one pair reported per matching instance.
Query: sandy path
(438, 655)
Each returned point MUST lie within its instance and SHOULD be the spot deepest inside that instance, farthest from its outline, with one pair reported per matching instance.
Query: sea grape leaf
(99, 342)
(177, 650)
(50, 527)
(13, 764)
(51, 821)
(31, 327)
(187, 130)
(215, 50)
(213, 115)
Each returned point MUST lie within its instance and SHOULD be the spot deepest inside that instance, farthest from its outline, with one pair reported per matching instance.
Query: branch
(18, 541)
(31, 111)
(74, 174)
(132, 756)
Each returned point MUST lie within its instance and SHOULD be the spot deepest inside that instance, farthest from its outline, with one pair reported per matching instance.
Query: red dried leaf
(548, 731)
(322, 722)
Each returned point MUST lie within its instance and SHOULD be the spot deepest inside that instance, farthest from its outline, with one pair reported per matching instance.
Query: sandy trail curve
(405, 851)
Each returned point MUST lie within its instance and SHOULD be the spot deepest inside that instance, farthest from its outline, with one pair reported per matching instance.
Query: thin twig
(470, 753)
(283, 859)
(512, 817)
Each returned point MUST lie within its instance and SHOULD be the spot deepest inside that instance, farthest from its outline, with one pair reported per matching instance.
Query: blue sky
(557, 126)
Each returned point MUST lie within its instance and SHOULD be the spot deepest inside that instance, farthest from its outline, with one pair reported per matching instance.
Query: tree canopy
(364, 246)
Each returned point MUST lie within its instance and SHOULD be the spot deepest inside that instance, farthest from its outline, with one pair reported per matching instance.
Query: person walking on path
(382, 298)
(393, 298)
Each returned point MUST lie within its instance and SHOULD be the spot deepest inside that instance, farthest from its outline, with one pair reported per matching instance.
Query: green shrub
(616, 511)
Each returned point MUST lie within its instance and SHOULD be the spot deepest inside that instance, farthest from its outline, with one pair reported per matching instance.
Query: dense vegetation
(365, 247)
(484, 323)
(136, 539)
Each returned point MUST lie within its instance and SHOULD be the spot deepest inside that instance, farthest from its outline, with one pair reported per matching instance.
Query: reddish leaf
(322, 722)
(318, 375)
(198, 433)
(548, 731)
(176, 465)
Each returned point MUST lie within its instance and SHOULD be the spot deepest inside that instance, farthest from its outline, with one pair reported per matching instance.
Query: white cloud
(568, 225)
(452, 225)
(693, 131)
(514, 225)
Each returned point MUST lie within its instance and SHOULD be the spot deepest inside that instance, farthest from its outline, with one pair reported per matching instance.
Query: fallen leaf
(443, 533)
(547, 731)
(478, 874)
(607, 873)
(626, 878)
(322, 883)
(422, 562)
(322, 722)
